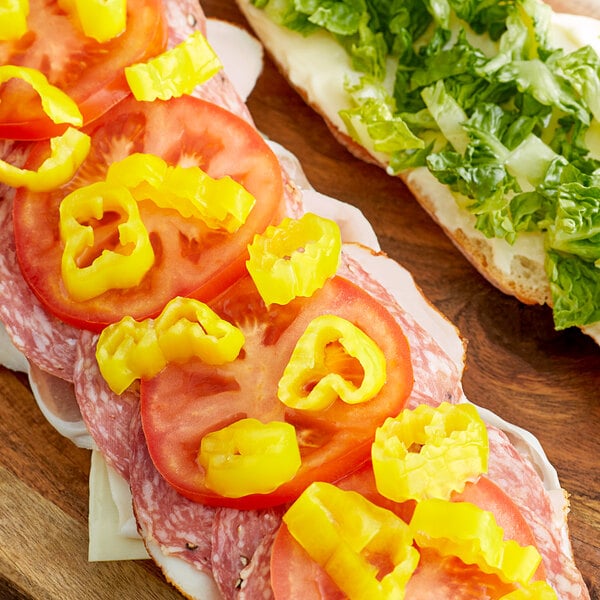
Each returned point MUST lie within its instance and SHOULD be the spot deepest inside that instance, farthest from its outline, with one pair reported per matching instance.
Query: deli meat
(437, 377)
(510, 471)
(43, 339)
(241, 542)
(107, 416)
(180, 527)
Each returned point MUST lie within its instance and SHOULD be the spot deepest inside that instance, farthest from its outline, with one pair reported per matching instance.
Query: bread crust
(525, 280)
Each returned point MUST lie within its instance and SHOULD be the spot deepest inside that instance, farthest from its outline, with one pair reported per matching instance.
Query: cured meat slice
(517, 477)
(43, 339)
(107, 416)
(237, 536)
(256, 577)
(180, 527)
(437, 376)
(185, 17)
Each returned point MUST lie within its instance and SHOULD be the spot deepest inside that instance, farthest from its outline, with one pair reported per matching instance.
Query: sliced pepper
(429, 452)
(112, 269)
(56, 104)
(67, 153)
(294, 258)
(128, 350)
(175, 72)
(466, 531)
(343, 532)
(249, 457)
(101, 20)
(538, 590)
(186, 328)
(220, 203)
(308, 382)
(13, 19)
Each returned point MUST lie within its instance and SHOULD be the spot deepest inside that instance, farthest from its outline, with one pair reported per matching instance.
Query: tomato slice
(89, 72)
(191, 259)
(295, 575)
(185, 402)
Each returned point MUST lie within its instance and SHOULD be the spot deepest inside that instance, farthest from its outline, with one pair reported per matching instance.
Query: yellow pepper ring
(13, 19)
(249, 457)
(56, 104)
(464, 530)
(174, 72)
(130, 349)
(67, 153)
(451, 448)
(537, 590)
(101, 20)
(308, 370)
(219, 203)
(294, 258)
(341, 530)
(112, 269)
(187, 328)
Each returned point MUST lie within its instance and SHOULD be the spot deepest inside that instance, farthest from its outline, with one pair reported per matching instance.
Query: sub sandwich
(486, 110)
(244, 360)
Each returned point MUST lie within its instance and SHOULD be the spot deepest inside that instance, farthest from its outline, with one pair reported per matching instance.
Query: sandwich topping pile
(489, 112)
(286, 421)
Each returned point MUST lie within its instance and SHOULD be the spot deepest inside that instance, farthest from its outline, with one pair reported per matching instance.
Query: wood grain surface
(517, 366)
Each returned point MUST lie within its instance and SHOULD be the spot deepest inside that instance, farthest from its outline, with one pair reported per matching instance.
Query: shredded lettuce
(472, 90)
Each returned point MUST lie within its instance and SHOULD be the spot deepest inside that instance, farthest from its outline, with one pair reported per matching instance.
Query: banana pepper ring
(13, 19)
(537, 590)
(249, 457)
(130, 349)
(111, 269)
(464, 530)
(101, 20)
(56, 104)
(308, 382)
(341, 529)
(220, 203)
(294, 258)
(175, 72)
(68, 151)
(429, 452)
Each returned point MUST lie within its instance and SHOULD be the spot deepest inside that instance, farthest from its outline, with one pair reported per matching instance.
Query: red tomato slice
(89, 72)
(191, 259)
(185, 402)
(294, 575)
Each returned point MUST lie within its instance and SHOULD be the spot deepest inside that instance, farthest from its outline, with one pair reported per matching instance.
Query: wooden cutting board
(517, 366)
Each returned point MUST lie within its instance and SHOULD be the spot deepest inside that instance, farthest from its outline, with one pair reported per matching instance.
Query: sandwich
(484, 110)
(150, 384)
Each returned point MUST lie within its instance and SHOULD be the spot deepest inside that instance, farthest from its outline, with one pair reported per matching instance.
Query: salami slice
(437, 376)
(180, 527)
(256, 577)
(43, 339)
(107, 416)
(517, 477)
(236, 538)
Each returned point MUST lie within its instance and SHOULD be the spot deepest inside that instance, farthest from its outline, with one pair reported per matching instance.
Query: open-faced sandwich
(487, 110)
(269, 397)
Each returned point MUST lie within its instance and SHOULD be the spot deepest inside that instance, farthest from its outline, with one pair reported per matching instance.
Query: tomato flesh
(89, 72)
(190, 258)
(185, 402)
(294, 575)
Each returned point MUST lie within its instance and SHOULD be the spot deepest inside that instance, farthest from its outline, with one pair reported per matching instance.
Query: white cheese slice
(111, 524)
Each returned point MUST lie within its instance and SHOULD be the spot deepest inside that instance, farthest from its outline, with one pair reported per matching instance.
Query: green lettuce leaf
(472, 90)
